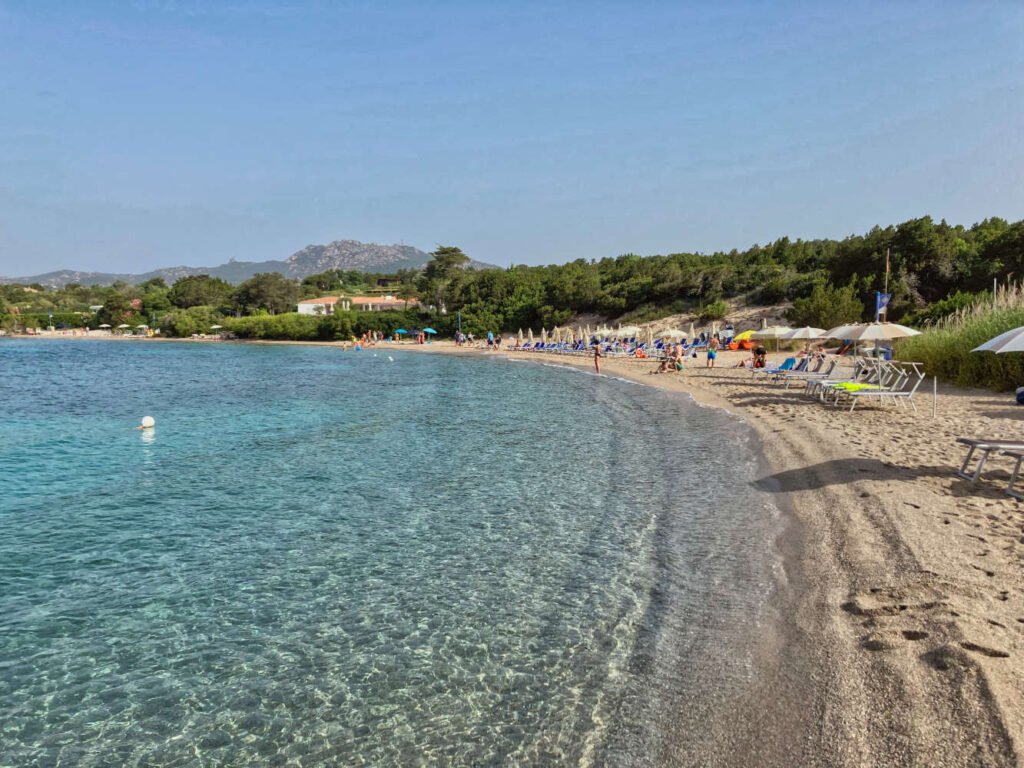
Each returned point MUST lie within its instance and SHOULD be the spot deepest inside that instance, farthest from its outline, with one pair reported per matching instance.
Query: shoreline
(903, 640)
(906, 584)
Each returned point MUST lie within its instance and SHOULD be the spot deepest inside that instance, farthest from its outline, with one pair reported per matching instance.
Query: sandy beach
(905, 582)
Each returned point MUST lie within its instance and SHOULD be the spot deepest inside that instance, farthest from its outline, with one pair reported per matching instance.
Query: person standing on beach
(712, 351)
(597, 358)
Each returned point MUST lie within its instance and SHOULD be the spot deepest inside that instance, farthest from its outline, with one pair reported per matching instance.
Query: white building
(321, 306)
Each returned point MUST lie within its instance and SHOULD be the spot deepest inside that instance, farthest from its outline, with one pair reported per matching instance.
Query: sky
(137, 135)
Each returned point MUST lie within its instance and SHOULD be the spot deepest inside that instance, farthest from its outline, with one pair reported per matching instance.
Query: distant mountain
(341, 254)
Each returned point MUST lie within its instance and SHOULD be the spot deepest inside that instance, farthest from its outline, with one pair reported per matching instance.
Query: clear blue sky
(164, 132)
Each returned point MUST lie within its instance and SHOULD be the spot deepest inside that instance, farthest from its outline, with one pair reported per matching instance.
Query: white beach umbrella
(692, 334)
(103, 325)
(142, 325)
(806, 333)
(1011, 341)
(216, 327)
(772, 332)
(872, 332)
(673, 333)
(529, 334)
(124, 325)
(650, 336)
(519, 337)
(628, 331)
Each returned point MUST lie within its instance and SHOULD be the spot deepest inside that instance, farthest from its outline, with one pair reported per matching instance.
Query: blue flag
(881, 304)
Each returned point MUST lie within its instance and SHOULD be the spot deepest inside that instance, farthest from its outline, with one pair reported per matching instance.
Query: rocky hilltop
(340, 254)
(352, 254)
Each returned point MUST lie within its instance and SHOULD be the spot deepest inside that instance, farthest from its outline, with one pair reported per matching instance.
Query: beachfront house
(377, 303)
(320, 306)
(327, 305)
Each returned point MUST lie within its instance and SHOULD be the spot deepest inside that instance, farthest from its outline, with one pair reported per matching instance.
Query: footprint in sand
(993, 653)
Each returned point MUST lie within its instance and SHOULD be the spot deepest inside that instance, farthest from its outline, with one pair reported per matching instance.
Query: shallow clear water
(332, 558)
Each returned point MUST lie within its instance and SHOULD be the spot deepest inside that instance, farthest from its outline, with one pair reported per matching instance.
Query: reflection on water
(341, 560)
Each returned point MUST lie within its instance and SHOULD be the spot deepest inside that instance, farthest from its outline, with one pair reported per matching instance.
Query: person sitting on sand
(665, 366)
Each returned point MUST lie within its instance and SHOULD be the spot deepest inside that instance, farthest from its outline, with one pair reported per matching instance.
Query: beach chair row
(871, 380)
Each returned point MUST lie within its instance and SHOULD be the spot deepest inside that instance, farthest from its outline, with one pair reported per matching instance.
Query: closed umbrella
(692, 333)
(519, 337)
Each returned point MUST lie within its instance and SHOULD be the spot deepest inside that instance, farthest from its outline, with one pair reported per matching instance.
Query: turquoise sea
(324, 558)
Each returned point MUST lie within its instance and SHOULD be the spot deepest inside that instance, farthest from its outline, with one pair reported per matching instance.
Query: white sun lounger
(987, 447)
(1010, 490)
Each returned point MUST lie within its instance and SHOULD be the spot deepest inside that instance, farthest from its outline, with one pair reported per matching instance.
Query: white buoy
(148, 422)
(391, 358)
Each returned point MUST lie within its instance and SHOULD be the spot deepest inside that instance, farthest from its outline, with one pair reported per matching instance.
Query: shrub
(182, 323)
(716, 310)
(827, 307)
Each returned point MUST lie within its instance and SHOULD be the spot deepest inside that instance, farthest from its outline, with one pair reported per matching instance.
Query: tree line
(934, 268)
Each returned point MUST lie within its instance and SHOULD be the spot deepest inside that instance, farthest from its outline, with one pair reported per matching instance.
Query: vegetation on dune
(945, 349)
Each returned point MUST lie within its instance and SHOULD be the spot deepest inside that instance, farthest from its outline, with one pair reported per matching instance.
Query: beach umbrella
(1011, 341)
(772, 332)
(673, 333)
(103, 325)
(628, 331)
(519, 337)
(401, 331)
(745, 336)
(429, 330)
(124, 325)
(692, 334)
(143, 325)
(856, 332)
(650, 336)
(216, 327)
(543, 334)
(806, 333)
(872, 332)
(529, 334)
